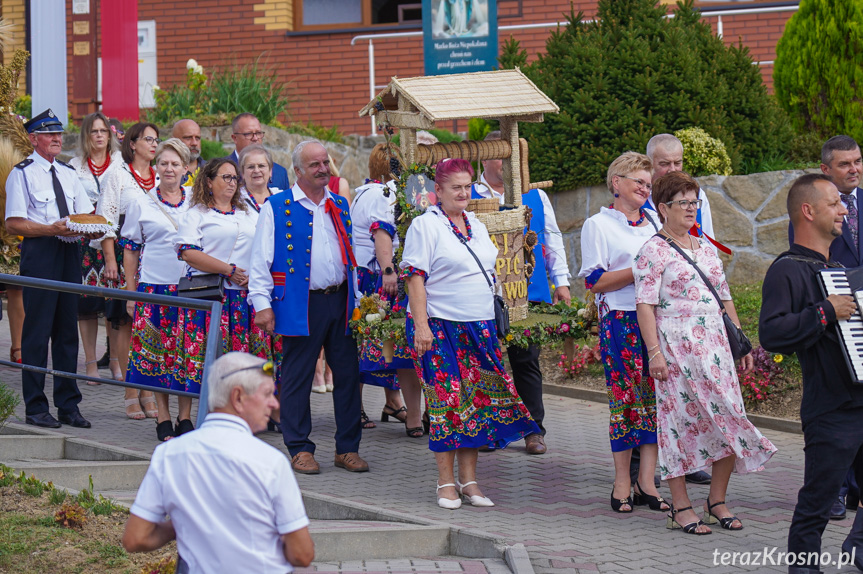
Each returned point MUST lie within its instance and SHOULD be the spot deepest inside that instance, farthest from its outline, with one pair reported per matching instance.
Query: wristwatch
(388, 270)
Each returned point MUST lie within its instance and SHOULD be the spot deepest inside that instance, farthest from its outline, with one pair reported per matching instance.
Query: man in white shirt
(550, 263)
(666, 153)
(233, 502)
(302, 283)
(40, 194)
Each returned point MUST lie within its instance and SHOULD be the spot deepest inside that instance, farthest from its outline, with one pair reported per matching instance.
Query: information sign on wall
(459, 36)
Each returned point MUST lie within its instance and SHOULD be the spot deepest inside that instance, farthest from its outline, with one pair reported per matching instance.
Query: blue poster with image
(459, 36)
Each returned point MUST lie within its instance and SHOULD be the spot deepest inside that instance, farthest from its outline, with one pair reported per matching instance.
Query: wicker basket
(489, 205)
(509, 222)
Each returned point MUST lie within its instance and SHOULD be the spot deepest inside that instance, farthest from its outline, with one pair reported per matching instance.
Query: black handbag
(737, 339)
(501, 309)
(209, 287)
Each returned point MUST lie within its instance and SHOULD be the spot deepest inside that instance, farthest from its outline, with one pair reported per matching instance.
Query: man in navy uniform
(550, 263)
(301, 284)
(247, 131)
(40, 194)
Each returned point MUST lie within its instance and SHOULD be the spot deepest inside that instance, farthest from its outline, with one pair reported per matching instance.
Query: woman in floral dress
(471, 399)
(609, 241)
(701, 420)
(215, 236)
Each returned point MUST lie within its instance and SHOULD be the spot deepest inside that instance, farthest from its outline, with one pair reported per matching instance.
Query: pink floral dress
(700, 415)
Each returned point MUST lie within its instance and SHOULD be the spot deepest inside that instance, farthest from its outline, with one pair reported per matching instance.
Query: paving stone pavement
(556, 504)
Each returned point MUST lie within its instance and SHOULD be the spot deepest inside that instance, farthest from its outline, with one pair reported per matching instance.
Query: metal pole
(372, 80)
(214, 349)
(719, 26)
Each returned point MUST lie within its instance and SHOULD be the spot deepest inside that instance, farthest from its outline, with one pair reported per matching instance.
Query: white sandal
(447, 503)
(135, 416)
(92, 383)
(474, 499)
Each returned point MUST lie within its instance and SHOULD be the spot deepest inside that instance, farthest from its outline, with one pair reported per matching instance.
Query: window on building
(324, 14)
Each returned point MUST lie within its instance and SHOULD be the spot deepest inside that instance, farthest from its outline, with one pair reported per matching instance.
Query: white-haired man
(233, 501)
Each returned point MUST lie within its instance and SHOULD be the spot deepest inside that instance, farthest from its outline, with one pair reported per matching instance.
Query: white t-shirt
(371, 205)
(456, 289)
(608, 242)
(230, 497)
(147, 225)
(227, 238)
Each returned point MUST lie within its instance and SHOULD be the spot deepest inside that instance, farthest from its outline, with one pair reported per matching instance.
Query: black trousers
(831, 444)
(327, 321)
(528, 380)
(50, 316)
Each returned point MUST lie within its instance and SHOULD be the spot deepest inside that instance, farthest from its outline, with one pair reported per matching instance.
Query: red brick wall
(329, 78)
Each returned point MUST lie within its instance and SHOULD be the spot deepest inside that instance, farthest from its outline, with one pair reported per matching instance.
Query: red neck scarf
(344, 241)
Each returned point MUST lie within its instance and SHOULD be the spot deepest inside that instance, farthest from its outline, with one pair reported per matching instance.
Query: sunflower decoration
(14, 145)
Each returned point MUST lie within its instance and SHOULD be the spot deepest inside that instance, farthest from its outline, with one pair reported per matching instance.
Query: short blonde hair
(627, 163)
(175, 145)
(254, 149)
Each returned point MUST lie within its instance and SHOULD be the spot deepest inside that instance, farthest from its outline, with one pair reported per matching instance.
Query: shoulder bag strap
(464, 242)
(671, 242)
(162, 208)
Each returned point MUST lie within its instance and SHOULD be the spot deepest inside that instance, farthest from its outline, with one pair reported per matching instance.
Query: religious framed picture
(420, 191)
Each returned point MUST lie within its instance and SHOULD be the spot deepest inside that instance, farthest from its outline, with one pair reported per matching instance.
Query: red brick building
(309, 42)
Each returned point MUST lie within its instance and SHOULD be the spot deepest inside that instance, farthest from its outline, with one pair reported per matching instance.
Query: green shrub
(443, 136)
(24, 105)
(805, 148)
(9, 400)
(212, 150)
(634, 73)
(818, 73)
(702, 154)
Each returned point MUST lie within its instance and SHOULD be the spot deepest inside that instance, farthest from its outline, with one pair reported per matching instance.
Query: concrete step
(75, 474)
(338, 540)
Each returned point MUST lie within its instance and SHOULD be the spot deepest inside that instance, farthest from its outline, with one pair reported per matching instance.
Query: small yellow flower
(509, 337)
(777, 358)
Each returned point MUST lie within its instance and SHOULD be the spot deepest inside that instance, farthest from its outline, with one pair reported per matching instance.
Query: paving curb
(761, 421)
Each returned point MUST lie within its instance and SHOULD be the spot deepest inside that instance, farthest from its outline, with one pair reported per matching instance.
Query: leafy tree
(634, 73)
(818, 73)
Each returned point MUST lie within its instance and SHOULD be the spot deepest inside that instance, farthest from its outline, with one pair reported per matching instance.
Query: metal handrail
(704, 14)
(214, 346)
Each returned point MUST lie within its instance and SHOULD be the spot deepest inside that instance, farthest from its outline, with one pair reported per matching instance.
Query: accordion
(848, 281)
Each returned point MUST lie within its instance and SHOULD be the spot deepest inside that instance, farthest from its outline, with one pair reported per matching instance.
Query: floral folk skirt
(238, 333)
(374, 370)
(153, 356)
(472, 401)
(631, 396)
(92, 265)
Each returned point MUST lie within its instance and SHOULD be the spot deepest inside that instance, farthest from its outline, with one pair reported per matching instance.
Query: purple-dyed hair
(446, 168)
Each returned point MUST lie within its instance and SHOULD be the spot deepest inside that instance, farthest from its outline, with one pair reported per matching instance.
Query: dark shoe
(653, 502)
(103, 362)
(352, 462)
(415, 432)
(698, 477)
(165, 431)
(305, 463)
(365, 421)
(727, 523)
(273, 426)
(401, 415)
(837, 511)
(691, 528)
(44, 420)
(618, 503)
(534, 444)
(183, 426)
(74, 420)
(426, 422)
(854, 542)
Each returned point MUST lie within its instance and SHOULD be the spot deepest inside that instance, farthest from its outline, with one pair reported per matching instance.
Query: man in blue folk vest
(301, 285)
(550, 263)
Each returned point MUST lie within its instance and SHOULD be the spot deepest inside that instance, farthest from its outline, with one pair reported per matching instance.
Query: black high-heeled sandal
(165, 431)
(183, 426)
(618, 503)
(365, 421)
(426, 422)
(414, 432)
(691, 528)
(394, 413)
(726, 523)
(653, 502)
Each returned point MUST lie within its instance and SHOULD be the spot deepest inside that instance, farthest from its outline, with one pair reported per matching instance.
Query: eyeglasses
(228, 178)
(151, 140)
(638, 182)
(685, 203)
(98, 132)
(251, 135)
(267, 368)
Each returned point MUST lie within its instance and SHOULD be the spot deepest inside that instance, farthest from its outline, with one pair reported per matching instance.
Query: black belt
(329, 290)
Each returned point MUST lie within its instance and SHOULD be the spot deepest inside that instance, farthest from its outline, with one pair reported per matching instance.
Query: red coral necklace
(98, 170)
(145, 184)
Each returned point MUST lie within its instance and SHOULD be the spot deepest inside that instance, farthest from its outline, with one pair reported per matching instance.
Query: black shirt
(796, 318)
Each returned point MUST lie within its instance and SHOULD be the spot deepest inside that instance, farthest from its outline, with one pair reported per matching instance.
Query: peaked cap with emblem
(44, 123)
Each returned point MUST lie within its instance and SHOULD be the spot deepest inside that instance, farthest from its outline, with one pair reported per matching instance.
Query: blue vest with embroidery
(292, 258)
(538, 289)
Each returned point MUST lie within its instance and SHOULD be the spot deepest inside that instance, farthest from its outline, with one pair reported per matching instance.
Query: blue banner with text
(459, 36)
